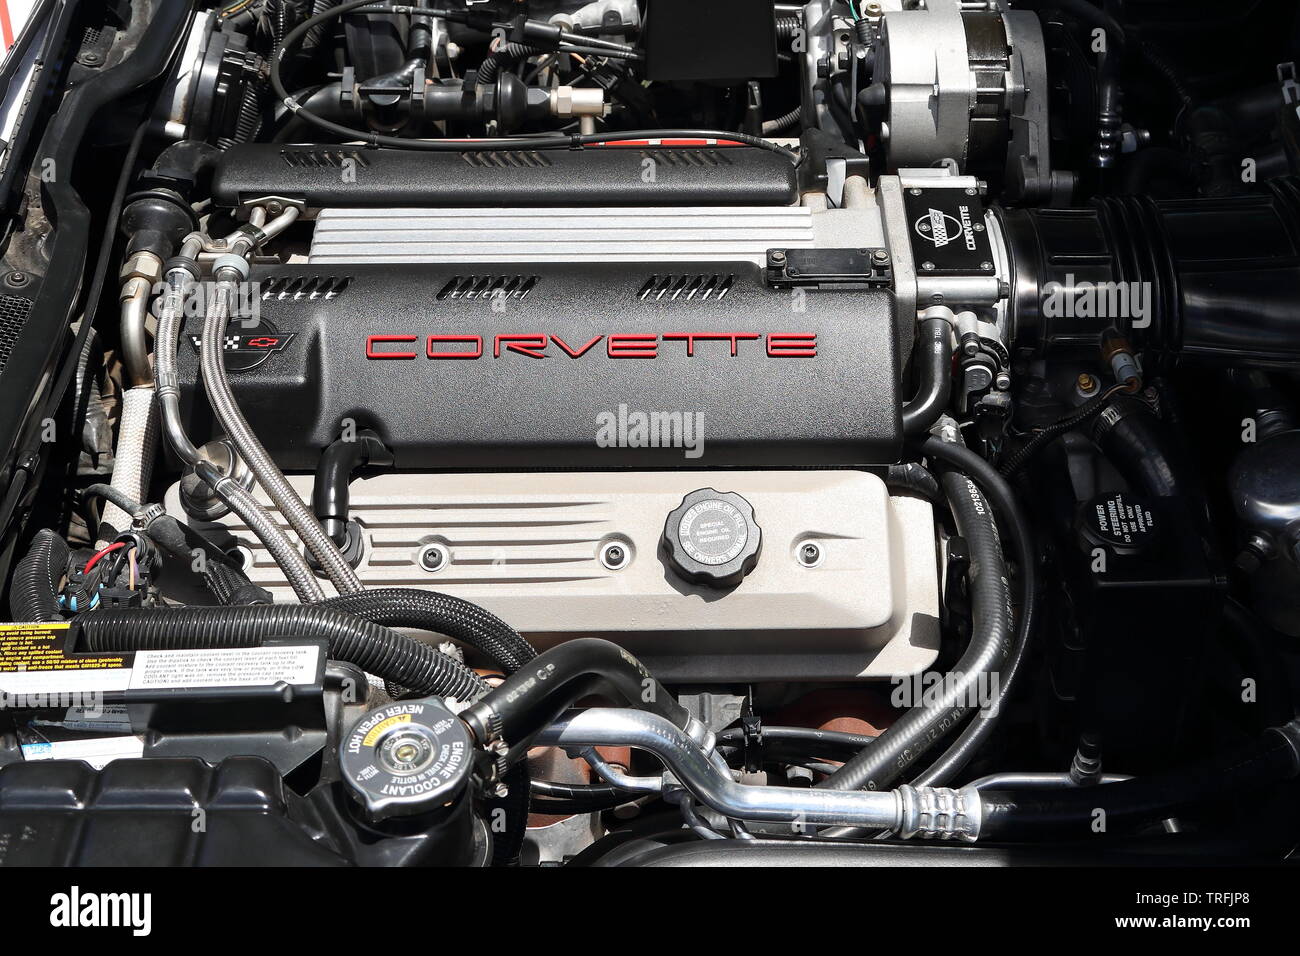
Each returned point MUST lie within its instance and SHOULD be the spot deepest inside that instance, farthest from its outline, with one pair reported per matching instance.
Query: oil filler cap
(711, 538)
(408, 758)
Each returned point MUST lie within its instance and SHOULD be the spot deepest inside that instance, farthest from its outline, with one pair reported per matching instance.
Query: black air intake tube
(1219, 276)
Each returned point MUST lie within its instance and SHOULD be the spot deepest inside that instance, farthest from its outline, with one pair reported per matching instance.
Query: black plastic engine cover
(521, 366)
(343, 176)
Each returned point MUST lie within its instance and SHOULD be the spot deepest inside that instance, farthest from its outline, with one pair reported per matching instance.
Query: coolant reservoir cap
(711, 538)
(410, 757)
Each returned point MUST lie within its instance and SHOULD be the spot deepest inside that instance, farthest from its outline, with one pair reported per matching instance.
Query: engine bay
(637, 433)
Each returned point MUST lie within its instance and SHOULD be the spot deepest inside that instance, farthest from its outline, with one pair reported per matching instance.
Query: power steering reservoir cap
(711, 538)
(410, 757)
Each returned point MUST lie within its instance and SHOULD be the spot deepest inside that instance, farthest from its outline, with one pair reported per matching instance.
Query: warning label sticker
(42, 647)
(226, 667)
(35, 663)
(35, 660)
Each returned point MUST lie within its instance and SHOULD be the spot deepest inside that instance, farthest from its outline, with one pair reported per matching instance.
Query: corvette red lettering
(377, 346)
(798, 345)
(582, 349)
(632, 346)
(690, 338)
(440, 340)
(534, 346)
(623, 345)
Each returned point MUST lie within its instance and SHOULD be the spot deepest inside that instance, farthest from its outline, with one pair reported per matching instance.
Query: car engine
(652, 433)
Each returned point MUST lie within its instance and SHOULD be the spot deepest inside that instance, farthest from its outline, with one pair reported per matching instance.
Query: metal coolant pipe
(910, 811)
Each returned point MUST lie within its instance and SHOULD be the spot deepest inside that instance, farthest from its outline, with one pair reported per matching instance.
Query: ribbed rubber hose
(921, 727)
(442, 614)
(782, 123)
(222, 398)
(34, 590)
(375, 649)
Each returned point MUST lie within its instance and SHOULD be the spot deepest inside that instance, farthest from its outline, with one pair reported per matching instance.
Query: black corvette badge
(247, 349)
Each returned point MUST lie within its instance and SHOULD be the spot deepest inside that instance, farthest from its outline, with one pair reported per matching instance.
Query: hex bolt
(16, 279)
(614, 555)
(434, 557)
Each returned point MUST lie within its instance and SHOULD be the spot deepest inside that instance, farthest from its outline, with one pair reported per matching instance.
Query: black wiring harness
(289, 44)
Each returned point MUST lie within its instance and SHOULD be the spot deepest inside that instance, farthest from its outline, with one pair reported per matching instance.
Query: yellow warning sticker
(42, 647)
(379, 728)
